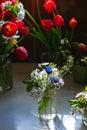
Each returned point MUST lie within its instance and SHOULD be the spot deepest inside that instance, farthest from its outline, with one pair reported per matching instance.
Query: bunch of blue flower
(45, 77)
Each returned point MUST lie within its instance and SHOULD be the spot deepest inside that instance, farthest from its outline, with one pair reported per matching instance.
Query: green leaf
(75, 103)
(8, 7)
(8, 47)
(29, 85)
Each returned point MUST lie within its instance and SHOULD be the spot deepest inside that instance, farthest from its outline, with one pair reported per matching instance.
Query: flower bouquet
(79, 105)
(12, 31)
(51, 31)
(12, 28)
(45, 80)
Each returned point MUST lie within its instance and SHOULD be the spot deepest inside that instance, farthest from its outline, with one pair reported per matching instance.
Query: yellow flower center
(8, 29)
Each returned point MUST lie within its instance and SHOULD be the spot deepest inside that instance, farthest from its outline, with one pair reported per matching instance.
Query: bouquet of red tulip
(12, 28)
(50, 31)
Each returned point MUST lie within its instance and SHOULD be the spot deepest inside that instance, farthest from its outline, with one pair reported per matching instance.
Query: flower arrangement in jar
(12, 31)
(43, 84)
(79, 105)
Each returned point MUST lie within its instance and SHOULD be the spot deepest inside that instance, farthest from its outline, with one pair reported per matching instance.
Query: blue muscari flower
(54, 79)
(48, 69)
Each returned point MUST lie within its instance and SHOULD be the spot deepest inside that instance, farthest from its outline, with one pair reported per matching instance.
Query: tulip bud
(47, 24)
(82, 47)
(73, 23)
(58, 21)
(24, 30)
(22, 53)
(50, 6)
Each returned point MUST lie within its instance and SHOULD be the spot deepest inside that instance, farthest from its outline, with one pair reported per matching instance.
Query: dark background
(67, 8)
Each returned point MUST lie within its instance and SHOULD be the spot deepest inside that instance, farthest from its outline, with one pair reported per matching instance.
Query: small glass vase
(6, 80)
(51, 111)
(84, 118)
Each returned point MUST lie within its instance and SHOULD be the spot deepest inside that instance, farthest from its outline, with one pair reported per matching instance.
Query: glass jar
(6, 80)
(84, 118)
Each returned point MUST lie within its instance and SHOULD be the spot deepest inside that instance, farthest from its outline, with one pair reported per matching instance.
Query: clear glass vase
(51, 111)
(6, 80)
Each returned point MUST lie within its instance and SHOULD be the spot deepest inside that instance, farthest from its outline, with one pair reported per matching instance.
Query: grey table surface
(18, 111)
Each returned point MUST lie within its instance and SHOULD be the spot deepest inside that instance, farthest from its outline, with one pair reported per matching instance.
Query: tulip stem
(38, 9)
(19, 41)
(71, 34)
(30, 16)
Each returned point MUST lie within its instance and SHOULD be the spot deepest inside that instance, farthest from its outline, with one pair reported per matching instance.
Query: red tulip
(21, 52)
(24, 30)
(13, 1)
(47, 24)
(9, 29)
(58, 20)
(19, 24)
(82, 47)
(50, 6)
(51, 0)
(73, 23)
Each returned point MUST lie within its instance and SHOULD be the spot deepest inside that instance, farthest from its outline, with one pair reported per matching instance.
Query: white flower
(20, 6)
(21, 13)
(61, 81)
(43, 64)
(62, 41)
(65, 40)
(39, 76)
(44, 74)
(80, 94)
(55, 71)
(16, 36)
(34, 73)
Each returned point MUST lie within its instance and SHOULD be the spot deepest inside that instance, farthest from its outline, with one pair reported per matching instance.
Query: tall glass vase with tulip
(51, 31)
(12, 31)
